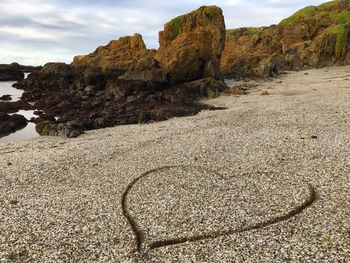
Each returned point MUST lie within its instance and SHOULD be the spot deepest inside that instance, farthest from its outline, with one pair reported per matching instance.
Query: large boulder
(11, 123)
(191, 45)
(128, 53)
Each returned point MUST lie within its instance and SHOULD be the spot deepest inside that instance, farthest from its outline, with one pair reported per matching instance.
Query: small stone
(314, 137)
(265, 93)
(9, 163)
(13, 202)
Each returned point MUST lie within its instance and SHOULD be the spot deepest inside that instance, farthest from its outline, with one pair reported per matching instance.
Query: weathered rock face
(315, 36)
(119, 56)
(191, 45)
(11, 123)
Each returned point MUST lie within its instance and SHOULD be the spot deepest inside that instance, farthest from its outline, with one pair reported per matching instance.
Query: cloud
(37, 31)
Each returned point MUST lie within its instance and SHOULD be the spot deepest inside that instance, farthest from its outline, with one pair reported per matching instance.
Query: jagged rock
(126, 54)
(11, 123)
(315, 36)
(191, 45)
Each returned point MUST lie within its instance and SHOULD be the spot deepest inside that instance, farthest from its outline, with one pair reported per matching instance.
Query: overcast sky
(38, 31)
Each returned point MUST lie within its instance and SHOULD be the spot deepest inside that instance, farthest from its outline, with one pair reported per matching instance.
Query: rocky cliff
(198, 39)
(313, 37)
(125, 83)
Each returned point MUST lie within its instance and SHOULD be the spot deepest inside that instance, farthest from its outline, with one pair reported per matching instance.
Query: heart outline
(139, 238)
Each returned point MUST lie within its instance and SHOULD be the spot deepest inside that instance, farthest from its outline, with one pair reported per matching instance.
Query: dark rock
(14, 71)
(6, 97)
(12, 107)
(11, 123)
(11, 74)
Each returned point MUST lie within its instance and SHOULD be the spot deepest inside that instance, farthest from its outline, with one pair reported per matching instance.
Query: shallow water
(7, 89)
(27, 132)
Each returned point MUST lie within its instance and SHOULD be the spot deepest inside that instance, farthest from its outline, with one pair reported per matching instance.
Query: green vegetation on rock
(341, 32)
(125, 40)
(252, 31)
(302, 13)
(235, 34)
(176, 24)
(332, 11)
(328, 5)
(210, 11)
(342, 17)
(48, 130)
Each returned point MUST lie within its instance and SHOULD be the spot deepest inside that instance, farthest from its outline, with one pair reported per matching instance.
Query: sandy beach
(266, 180)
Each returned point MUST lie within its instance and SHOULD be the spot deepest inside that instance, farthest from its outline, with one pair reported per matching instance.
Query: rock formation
(198, 39)
(119, 56)
(11, 123)
(14, 71)
(10, 73)
(125, 83)
(313, 37)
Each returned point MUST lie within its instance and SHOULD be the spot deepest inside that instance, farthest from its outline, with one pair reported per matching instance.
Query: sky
(34, 32)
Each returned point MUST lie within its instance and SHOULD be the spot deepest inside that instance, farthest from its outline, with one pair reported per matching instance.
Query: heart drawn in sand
(177, 204)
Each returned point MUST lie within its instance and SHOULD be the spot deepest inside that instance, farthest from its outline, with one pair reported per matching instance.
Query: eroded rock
(191, 45)
(314, 37)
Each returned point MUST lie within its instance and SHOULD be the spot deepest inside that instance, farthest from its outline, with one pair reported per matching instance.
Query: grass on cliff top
(335, 11)
(125, 40)
(177, 22)
(330, 9)
(302, 13)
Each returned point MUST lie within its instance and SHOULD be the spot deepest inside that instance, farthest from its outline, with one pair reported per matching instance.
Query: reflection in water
(27, 132)
(7, 89)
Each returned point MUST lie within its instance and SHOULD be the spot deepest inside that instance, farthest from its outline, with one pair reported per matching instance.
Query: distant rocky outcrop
(14, 71)
(125, 83)
(313, 37)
